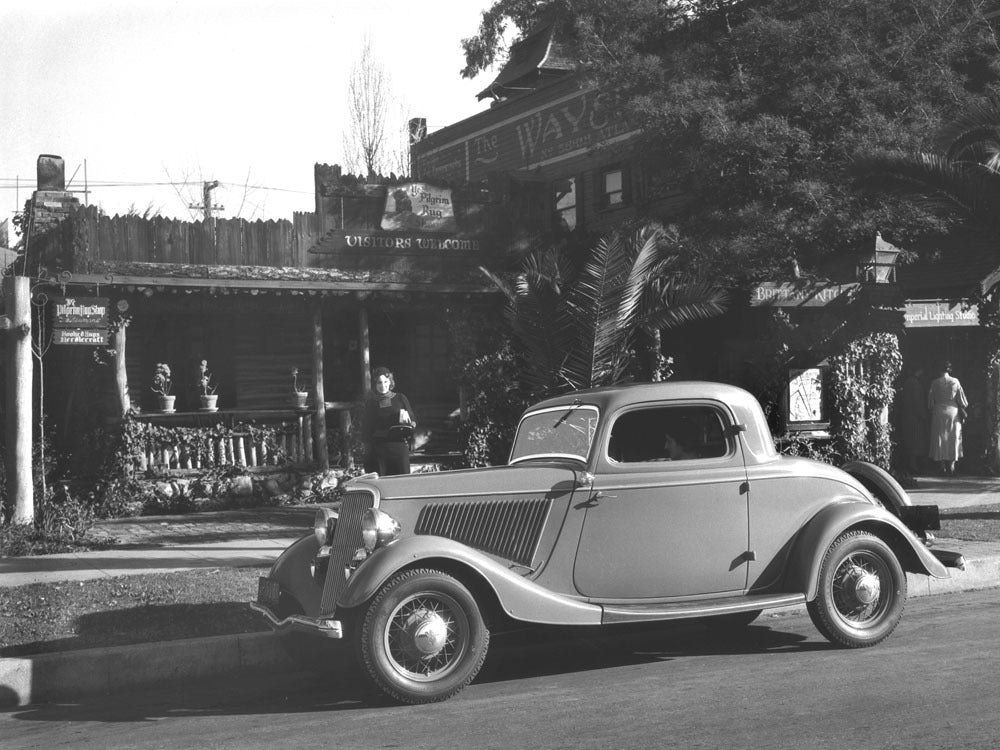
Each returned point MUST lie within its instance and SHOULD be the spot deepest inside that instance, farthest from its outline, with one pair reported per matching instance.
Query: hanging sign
(802, 294)
(940, 313)
(81, 336)
(81, 312)
(80, 320)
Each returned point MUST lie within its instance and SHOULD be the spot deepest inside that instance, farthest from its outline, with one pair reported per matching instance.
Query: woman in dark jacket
(388, 425)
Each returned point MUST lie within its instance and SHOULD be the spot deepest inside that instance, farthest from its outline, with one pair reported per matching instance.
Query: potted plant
(299, 396)
(162, 383)
(209, 397)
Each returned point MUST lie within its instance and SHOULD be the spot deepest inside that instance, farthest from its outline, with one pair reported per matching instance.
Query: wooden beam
(319, 396)
(275, 285)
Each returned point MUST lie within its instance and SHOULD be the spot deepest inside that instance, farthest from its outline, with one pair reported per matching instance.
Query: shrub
(495, 402)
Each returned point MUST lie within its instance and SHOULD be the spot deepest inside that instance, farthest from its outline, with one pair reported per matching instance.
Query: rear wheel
(862, 591)
(422, 638)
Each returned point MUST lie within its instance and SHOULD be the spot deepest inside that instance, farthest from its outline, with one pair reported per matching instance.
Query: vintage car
(634, 503)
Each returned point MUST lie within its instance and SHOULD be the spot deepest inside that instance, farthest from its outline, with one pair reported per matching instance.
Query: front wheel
(422, 638)
(862, 591)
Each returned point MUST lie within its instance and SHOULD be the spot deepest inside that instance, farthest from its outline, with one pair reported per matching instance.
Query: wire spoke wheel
(861, 593)
(427, 635)
(422, 637)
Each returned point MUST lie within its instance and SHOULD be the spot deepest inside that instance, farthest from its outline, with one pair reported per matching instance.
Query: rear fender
(518, 597)
(832, 521)
(880, 484)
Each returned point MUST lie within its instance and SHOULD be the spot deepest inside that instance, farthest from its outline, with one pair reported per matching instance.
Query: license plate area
(268, 593)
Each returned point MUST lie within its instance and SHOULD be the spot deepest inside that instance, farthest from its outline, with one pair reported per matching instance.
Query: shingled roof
(537, 55)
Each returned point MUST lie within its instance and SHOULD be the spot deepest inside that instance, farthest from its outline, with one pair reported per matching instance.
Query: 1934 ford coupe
(634, 503)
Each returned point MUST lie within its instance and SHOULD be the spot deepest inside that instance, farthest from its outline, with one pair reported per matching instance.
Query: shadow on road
(513, 656)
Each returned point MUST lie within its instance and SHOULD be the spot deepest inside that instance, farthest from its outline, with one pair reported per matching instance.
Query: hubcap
(426, 636)
(857, 589)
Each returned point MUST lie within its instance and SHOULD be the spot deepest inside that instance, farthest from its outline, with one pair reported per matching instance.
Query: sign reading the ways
(80, 320)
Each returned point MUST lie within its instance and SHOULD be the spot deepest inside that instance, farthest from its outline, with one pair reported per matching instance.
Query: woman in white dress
(947, 403)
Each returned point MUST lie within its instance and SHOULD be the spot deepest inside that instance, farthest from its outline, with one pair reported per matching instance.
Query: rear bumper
(949, 559)
(320, 626)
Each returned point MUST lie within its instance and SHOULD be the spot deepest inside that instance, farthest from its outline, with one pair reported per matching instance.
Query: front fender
(832, 521)
(520, 598)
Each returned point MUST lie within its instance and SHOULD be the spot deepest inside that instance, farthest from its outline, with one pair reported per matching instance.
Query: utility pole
(207, 207)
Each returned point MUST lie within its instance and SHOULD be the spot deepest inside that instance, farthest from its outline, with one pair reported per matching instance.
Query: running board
(730, 605)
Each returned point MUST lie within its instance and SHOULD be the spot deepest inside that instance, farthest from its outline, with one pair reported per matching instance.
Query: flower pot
(209, 401)
(167, 404)
(299, 399)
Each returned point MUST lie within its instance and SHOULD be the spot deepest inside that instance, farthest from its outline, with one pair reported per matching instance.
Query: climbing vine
(863, 378)
(989, 318)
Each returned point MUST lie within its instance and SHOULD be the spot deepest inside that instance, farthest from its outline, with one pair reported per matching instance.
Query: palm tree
(961, 177)
(579, 323)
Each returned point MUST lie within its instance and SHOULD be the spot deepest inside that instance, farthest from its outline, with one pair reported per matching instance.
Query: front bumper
(300, 623)
(269, 598)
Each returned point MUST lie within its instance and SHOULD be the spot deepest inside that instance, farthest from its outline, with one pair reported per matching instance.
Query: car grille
(346, 541)
(507, 528)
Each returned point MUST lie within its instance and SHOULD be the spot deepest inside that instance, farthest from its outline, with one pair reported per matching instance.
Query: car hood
(526, 478)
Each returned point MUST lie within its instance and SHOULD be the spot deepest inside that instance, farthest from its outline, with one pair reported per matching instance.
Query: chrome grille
(506, 528)
(346, 540)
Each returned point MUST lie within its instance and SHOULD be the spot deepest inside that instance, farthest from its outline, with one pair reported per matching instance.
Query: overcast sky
(241, 91)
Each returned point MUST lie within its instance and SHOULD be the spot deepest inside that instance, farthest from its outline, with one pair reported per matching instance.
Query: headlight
(324, 523)
(378, 529)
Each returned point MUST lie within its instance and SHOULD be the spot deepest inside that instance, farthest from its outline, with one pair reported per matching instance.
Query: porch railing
(250, 439)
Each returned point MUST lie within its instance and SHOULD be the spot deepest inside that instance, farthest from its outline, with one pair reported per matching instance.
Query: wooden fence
(227, 242)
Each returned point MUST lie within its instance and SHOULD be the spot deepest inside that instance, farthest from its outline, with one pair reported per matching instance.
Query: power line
(10, 183)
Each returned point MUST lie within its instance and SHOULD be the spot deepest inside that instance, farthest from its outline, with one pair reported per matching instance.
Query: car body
(599, 519)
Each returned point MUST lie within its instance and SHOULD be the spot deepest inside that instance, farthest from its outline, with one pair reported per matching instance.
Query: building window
(613, 188)
(565, 197)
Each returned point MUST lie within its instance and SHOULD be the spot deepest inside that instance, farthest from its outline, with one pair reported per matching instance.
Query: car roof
(614, 396)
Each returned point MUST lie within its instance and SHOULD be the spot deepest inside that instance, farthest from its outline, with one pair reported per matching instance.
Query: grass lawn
(39, 618)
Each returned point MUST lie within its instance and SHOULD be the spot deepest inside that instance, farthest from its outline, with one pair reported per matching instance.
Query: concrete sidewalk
(256, 537)
(161, 544)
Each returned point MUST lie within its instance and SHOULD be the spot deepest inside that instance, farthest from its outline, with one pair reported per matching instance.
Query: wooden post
(17, 294)
(121, 376)
(319, 395)
(364, 346)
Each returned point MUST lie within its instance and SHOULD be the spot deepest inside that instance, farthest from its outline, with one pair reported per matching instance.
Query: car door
(661, 522)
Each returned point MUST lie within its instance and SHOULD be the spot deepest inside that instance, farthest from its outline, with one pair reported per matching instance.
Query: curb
(71, 675)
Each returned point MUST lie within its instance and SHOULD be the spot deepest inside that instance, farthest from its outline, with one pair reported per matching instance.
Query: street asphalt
(255, 537)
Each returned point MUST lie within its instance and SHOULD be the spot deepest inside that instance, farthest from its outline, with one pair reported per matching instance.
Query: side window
(613, 188)
(565, 201)
(673, 433)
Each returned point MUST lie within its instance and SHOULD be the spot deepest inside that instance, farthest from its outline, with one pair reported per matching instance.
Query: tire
(862, 591)
(422, 638)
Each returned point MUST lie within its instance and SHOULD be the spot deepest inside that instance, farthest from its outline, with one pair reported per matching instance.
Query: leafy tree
(578, 321)
(759, 107)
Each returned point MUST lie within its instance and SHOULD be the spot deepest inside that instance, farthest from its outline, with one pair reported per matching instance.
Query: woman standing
(947, 403)
(388, 425)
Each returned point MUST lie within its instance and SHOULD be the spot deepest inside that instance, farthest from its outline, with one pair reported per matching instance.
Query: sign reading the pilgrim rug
(417, 206)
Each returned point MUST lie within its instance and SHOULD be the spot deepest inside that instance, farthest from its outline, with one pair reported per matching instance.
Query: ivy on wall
(863, 376)
(989, 318)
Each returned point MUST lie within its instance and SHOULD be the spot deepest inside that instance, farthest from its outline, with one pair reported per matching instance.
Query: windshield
(559, 432)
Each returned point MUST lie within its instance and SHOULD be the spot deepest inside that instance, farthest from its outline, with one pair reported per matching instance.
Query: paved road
(778, 685)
